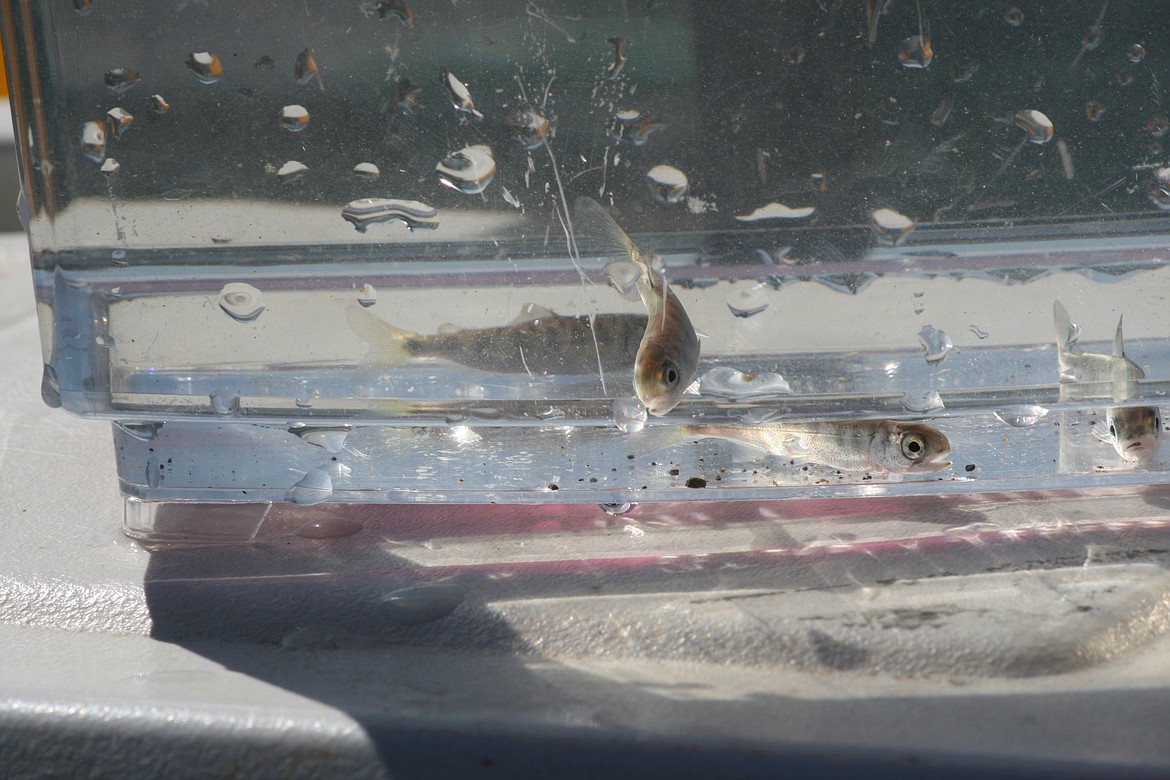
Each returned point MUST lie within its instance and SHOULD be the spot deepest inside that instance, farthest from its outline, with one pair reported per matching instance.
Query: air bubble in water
(118, 119)
(617, 509)
(241, 301)
(121, 79)
(313, 488)
(1022, 416)
(725, 382)
(329, 528)
(748, 302)
(928, 401)
(292, 171)
(225, 404)
(469, 170)
(364, 212)
(111, 167)
(367, 296)
(1136, 53)
(890, 226)
(294, 118)
(93, 141)
(667, 183)
(936, 343)
(367, 171)
(205, 65)
(629, 414)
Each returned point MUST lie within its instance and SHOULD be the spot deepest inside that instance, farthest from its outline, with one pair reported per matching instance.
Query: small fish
(619, 57)
(881, 446)
(459, 93)
(668, 354)
(1133, 430)
(537, 342)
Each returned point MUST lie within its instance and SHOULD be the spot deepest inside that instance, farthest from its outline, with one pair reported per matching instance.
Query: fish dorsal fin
(449, 329)
(1119, 340)
(1066, 332)
(532, 312)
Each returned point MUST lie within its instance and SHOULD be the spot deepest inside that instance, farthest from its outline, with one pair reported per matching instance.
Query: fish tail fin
(387, 344)
(655, 438)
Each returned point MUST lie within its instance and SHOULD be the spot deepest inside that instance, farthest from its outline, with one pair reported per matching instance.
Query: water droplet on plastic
(153, 473)
(1094, 110)
(915, 52)
(206, 66)
(406, 95)
(1023, 416)
(777, 211)
(890, 226)
(529, 127)
(618, 509)
(942, 113)
(551, 413)
(121, 79)
(919, 402)
(329, 528)
(667, 183)
(119, 120)
(82, 7)
(629, 414)
(140, 431)
(1036, 126)
(458, 92)
(331, 440)
(367, 296)
(159, 104)
(414, 214)
(979, 332)
(93, 141)
(725, 382)
(748, 302)
(292, 172)
(111, 168)
(294, 118)
(1092, 38)
(818, 182)
(396, 8)
(303, 402)
(118, 257)
(936, 343)
(241, 301)
(469, 170)
(313, 488)
(1159, 189)
(1013, 16)
(104, 341)
(50, 388)
(307, 638)
(225, 404)
(423, 603)
(367, 171)
(1136, 53)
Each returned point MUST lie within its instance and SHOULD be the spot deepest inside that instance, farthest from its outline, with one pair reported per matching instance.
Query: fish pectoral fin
(532, 312)
(625, 275)
(654, 438)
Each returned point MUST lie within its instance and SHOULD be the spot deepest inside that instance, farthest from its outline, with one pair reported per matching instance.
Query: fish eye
(1112, 429)
(668, 373)
(913, 446)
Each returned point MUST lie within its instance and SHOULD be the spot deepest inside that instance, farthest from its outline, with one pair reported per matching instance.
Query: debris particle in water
(367, 171)
(469, 170)
(696, 482)
(891, 226)
(294, 118)
(93, 141)
(915, 52)
(415, 215)
(969, 467)
(305, 67)
(619, 57)
(118, 120)
(1036, 126)
(1021, 416)
(241, 301)
(667, 183)
(458, 92)
(777, 211)
(159, 105)
(735, 385)
(206, 66)
(292, 172)
(936, 343)
(121, 79)
(921, 402)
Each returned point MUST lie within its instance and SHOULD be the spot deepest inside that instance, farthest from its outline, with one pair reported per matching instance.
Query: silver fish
(881, 446)
(668, 355)
(1133, 430)
(537, 342)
